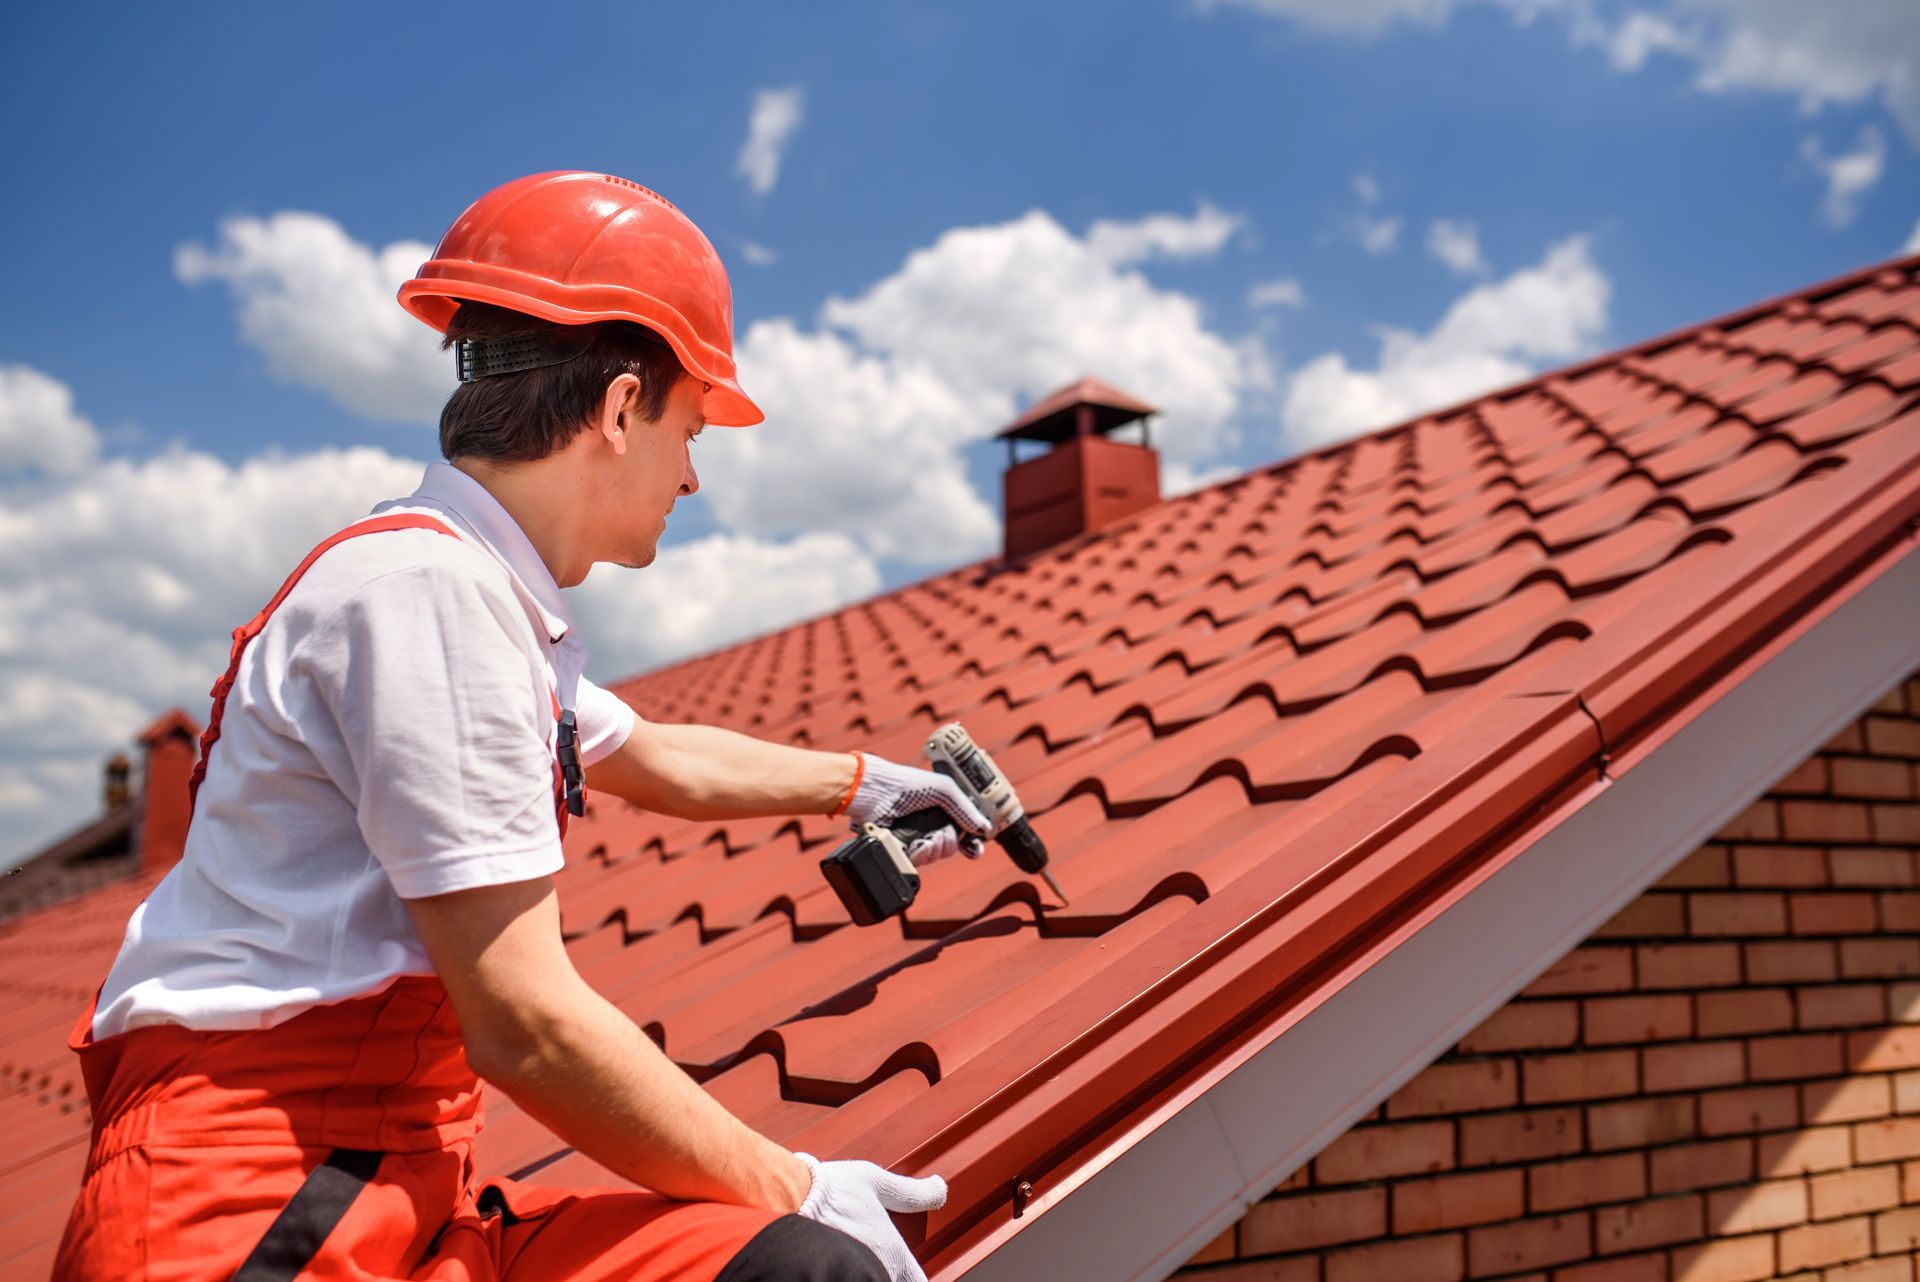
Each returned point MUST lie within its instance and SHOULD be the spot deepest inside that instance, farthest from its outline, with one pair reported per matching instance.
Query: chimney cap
(175, 721)
(1052, 418)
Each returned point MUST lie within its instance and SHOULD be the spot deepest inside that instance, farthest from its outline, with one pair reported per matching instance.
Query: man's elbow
(515, 1046)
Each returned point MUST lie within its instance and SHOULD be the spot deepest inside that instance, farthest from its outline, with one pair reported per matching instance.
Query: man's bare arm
(570, 1058)
(705, 772)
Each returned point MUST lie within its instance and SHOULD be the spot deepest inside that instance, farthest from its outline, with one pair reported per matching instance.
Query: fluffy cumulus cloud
(1848, 175)
(38, 426)
(1200, 235)
(861, 444)
(1815, 52)
(319, 305)
(713, 591)
(1014, 310)
(1841, 52)
(1497, 333)
(775, 116)
(118, 587)
(1457, 244)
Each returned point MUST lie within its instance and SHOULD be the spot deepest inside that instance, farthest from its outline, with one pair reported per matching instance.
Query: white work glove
(889, 791)
(855, 1197)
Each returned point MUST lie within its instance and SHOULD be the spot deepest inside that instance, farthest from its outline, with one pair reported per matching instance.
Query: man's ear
(619, 412)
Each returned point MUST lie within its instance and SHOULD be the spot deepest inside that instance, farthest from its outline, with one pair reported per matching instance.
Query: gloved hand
(855, 1197)
(889, 791)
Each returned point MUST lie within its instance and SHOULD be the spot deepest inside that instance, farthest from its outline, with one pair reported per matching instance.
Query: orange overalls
(338, 1145)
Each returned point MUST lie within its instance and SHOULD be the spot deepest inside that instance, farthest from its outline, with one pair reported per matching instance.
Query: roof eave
(1141, 1205)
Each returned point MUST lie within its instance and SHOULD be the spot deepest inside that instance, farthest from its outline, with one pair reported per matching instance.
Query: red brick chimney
(1086, 480)
(171, 744)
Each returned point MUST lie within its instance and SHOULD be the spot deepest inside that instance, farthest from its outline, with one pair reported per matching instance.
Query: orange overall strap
(251, 629)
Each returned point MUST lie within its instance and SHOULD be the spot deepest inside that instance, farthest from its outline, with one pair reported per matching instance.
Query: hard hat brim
(726, 404)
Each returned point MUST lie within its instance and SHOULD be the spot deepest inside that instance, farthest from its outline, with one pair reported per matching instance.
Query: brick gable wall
(1722, 1084)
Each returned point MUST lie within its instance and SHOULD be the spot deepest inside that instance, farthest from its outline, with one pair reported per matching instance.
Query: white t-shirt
(390, 734)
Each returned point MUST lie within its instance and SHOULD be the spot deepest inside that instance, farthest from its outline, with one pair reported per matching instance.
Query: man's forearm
(705, 772)
(599, 1083)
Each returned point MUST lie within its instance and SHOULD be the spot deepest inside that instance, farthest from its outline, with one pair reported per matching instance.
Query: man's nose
(690, 482)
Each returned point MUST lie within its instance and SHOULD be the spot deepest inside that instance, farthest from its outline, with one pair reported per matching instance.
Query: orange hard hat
(574, 248)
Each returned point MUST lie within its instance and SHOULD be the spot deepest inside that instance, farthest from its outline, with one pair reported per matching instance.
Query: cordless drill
(872, 873)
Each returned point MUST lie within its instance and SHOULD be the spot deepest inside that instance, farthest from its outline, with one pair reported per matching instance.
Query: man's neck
(543, 504)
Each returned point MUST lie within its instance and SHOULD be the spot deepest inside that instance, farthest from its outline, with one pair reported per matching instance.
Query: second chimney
(1086, 479)
(172, 745)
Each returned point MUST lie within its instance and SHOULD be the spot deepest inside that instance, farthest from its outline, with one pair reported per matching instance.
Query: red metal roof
(1259, 726)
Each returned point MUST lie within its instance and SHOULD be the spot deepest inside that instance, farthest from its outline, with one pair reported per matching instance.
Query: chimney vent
(1086, 479)
(119, 771)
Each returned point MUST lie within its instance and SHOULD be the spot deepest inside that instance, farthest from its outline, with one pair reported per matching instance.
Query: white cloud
(1837, 52)
(1284, 292)
(38, 427)
(320, 306)
(1016, 309)
(1345, 17)
(1489, 337)
(1849, 176)
(776, 114)
(1638, 37)
(1366, 188)
(1377, 235)
(1840, 53)
(1457, 244)
(1913, 241)
(714, 591)
(757, 254)
(1164, 235)
(1182, 478)
(119, 587)
(860, 444)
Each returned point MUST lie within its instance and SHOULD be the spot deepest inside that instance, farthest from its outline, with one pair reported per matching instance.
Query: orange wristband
(859, 772)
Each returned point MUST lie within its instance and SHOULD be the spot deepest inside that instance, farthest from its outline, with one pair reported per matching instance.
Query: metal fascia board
(1150, 1208)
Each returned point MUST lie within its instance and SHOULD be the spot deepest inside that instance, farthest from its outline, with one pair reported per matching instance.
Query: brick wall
(1723, 1083)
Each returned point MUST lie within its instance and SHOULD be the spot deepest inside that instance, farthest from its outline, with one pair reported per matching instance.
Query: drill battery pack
(872, 875)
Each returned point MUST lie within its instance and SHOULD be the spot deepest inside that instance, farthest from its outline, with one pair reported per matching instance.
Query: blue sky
(1599, 174)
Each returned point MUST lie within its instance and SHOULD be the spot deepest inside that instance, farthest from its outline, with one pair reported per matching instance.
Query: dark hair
(529, 414)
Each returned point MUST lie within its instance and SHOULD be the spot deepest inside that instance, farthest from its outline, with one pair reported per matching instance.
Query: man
(282, 1059)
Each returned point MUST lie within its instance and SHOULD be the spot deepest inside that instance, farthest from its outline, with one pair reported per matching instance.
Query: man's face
(653, 473)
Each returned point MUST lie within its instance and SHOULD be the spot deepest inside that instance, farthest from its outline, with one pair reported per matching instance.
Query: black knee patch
(796, 1249)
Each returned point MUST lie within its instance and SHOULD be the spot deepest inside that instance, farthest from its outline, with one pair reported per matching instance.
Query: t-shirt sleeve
(604, 721)
(445, 729)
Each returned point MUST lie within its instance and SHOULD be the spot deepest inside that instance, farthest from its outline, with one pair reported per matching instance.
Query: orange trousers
(338, 1145)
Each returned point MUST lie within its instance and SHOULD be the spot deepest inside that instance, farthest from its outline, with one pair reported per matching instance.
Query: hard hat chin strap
(477, 358)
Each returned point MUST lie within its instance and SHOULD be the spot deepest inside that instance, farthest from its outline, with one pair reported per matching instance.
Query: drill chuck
(1023, 846)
